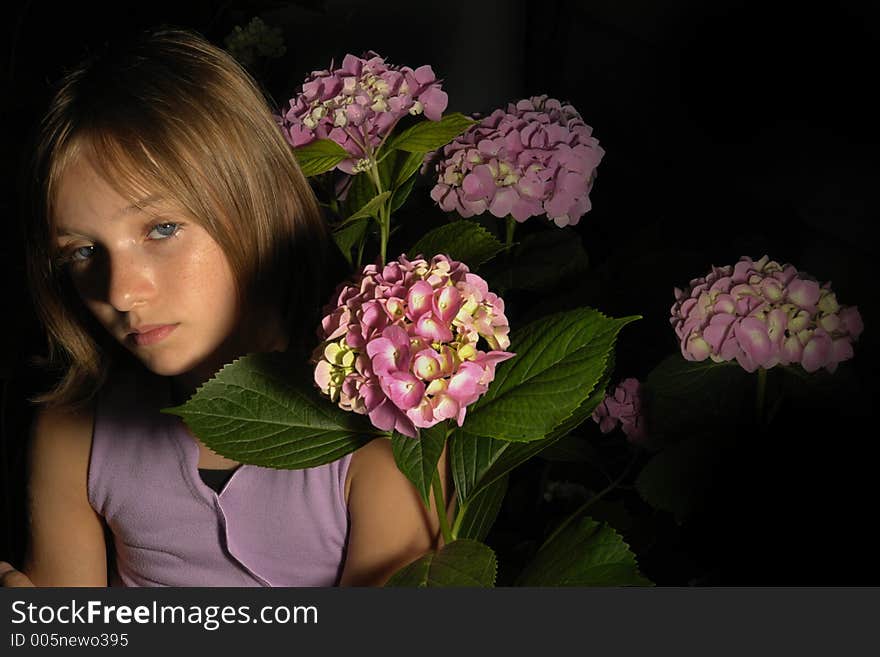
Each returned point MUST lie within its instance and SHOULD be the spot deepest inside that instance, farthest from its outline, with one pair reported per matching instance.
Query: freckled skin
(137, 276)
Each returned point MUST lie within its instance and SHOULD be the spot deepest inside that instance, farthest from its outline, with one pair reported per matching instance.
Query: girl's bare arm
(390, 526)
(66, 546)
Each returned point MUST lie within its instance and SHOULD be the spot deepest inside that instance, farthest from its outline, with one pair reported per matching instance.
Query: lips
(151, 333)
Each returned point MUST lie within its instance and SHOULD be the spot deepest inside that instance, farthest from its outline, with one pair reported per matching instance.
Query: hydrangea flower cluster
(358, 104)
(401, 344)
(764, 314)
(623, 406)
(536, 157)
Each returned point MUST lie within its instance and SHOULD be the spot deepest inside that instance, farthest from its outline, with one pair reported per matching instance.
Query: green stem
(440, 502)
(586, 505)
(385, 226)
(384, 212)
(760, 396)
(456, 524)
(509, 229)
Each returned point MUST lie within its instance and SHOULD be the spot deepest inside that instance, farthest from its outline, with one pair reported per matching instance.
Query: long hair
(169, 114)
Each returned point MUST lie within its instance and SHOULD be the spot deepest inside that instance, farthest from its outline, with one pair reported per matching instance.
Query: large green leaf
(360, 192)
(349, 237)
(539, 262)
(370, 209)
(461, 563)
(401, 194)
(685, 396)
(476, 518)
(417, 457)
(559, 361)
(430, 135)
(466, 241)
(406, 165)
(319, 156)
(478, 461)
(679, 478)
(573, 448)
(586, 553)
(262, 409)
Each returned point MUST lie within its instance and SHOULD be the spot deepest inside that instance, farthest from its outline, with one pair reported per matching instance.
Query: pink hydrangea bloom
(358, 104)
(623, 406)
(537, 157)
(403, 344)
(764, 314)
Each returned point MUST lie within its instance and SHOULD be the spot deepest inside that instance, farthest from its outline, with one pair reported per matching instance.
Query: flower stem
(760, 396)
(384, 212)
(440, 502)
(385, 228)
(510, 227)
(586, 505)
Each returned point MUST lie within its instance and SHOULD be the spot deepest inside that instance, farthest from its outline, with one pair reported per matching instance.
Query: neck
(268, 338)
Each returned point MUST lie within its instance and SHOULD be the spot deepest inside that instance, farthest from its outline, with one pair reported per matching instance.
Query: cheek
(207, 278)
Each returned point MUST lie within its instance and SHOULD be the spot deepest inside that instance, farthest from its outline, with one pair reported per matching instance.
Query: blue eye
(165, 230)
(82, 253)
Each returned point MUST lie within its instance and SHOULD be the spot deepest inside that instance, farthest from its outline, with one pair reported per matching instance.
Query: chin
(163, 366)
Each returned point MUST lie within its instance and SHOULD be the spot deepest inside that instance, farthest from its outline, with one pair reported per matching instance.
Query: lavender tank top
(266, 527)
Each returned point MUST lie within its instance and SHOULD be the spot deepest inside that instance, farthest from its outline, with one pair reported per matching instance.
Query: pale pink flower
(763, 314)
(358, 104)
(537, 157)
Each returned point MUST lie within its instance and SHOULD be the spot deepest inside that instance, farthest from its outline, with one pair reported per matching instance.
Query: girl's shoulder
(60, 434)
(374, 461)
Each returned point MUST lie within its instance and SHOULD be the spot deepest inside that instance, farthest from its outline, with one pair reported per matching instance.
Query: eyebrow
(135, 208)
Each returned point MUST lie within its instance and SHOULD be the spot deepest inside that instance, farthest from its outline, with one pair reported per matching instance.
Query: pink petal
(804, 293)
(753, 339)
(403, 389)
(446, 303)
(419, 299)
(503, 202)
(433, 329)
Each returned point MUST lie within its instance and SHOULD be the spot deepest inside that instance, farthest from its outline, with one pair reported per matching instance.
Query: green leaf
(401, 194)
(406, 167)
(572, 448)
(417, 457)
(319, 156)
(463, 240)
(678, 479)
(371, 209)
(539, 262)
(349, 237)
(685, 396)
(478, 461)
(428, 135)
(461, 563)
(586, 553)
(263, 410)
(559, 361)
(479, 514)
(361, 192)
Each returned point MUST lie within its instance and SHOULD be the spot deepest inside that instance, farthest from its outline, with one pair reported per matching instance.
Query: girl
(173, 232)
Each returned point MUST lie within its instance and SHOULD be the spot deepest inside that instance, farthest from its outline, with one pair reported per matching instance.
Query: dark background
(730, 128)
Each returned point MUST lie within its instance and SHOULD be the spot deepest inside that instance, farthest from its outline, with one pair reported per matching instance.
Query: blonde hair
(172, 115)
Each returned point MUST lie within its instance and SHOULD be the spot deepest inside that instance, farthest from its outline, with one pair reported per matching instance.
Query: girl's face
(157, 281)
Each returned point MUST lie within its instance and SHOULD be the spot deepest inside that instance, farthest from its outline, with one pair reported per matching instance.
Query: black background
(730, 128)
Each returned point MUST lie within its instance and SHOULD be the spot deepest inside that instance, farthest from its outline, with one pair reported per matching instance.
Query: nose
(131, 283)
